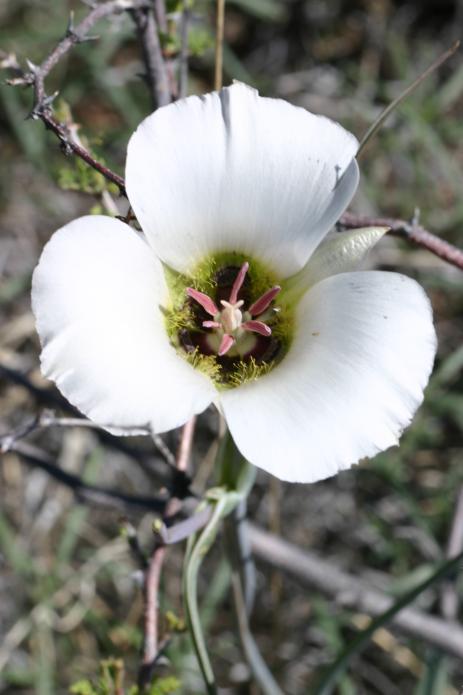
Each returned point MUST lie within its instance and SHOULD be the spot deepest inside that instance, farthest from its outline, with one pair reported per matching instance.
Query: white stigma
(231, 317)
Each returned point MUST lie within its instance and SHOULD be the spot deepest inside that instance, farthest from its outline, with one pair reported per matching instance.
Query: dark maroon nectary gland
(265, 350)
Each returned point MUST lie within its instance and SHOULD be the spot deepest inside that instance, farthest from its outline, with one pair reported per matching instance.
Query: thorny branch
(410, 231)
(153, 572)
(36, 75)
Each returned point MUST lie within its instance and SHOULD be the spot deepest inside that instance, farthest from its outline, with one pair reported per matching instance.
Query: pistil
(230, 324)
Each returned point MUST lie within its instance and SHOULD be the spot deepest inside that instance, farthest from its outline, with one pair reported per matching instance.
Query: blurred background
(69, 585)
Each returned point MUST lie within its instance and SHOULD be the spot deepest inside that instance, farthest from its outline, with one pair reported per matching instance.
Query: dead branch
(156, 71)
(86, 492)
(153, 573)
(183, 57)
(409, 231)
(352, 592)
(36, 75)
(450, 599)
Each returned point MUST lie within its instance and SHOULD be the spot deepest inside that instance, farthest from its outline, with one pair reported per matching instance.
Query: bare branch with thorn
(411, 231)
(36, 74)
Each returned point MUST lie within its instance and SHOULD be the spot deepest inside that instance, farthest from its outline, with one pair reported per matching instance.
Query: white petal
(340, 253)
(96, 296)
(237, 172)
(352, 380)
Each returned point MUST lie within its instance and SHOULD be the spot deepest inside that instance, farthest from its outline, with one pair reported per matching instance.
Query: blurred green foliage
(111, 681)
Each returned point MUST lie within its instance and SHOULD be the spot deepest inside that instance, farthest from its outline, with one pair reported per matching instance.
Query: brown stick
(348, 590)
(74, 35)
(156, 71)
(86, 492)
(154, 572)
(219, 33)
(410, 231)
(183, 58)
(161, 15)
(450, 599)
(69, 145)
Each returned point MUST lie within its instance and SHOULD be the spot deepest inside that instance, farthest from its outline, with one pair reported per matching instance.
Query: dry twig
(183, 58)
(36, 75)
(169, 476)
(156, 71)
(86, 492)
(219, 35)
(450, 599)
(351, 592)
(409, 90)
(152, 649)
(409, 231)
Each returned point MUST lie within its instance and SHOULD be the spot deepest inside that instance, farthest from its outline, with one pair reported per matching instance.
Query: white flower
(224, 185)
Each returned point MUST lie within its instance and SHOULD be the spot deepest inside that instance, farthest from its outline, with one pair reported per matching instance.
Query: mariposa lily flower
(234, 295)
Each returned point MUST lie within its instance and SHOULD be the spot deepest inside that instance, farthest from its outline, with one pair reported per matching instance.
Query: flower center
(224, 321)
(230, 327)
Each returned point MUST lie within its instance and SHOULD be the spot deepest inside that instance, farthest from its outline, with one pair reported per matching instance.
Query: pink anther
(261, 304)
(206, 302)
(211, 324)
(237, 285)
(257, 327)
(226, 344)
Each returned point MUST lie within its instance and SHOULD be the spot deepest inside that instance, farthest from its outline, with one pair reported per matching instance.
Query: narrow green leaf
(336, 670)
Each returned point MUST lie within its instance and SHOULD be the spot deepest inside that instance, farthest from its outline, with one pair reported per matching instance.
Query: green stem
(236, 477)
(196, 551)
(260, 671)
(238, 550)
(236, 473)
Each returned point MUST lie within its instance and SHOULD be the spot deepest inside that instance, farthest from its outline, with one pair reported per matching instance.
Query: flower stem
(196, 550)
(260, 671)
(234, 472)
(236, 477)
(238, 553)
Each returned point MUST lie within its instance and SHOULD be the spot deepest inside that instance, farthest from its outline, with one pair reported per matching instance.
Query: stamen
(227, 324)
(237, 285)
(257, 327)
(261, 304)
(206, 302)
(226, 344)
